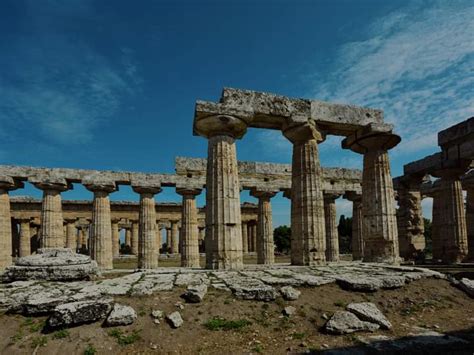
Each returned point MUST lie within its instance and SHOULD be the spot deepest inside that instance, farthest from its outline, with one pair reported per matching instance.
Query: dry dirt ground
(261, 328)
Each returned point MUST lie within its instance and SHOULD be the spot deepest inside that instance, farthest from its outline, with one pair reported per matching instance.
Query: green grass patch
(39, 341)
(61, 334)
(90, 350)
(217, 323)
(125, 339)
(298, 336)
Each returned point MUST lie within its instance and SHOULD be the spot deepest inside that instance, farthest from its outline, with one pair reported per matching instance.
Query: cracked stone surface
(254, 283)
(343, 322)
(369, 312)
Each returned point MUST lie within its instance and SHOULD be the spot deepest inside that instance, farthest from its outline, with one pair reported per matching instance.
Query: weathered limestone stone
(189, 228)
(332, 235)
(134, 238)
(289, 293)
(6, 184)
(410, 217)
(452, 217)
(265, 246)
(369, 312)
(343, 322)
(75, 313)
(168, 239)
(195, 293)
(115, 238)
(128, 237)
(223, 219)
(25, 238)
(379, 226)
(289, 311)
(253, 234)
(357, 238)
(174, 238)
(121, 315)
(175, 319)
(245, 238)
(52, 232)
(147, 250)
(101, 234)
(71, 233)
(308, 243)
(470, 221)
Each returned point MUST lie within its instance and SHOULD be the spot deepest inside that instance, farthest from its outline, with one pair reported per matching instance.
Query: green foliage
(125, 339)
(90, 350)
(281, 237)
(258, 348)
(344, 230)
(298, 336)
(428, 238)
(217, 323)
(61, 334)
(39, 341)
(340, 304)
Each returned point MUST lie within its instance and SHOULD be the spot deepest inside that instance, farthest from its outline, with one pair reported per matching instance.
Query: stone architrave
(189, 227)
(223, 218)
(265, 245)
(174, 242)
(379, 226)
(245, 240)
(134, 238)
(25, 237)
(332, 235)
(100, 244)
(451, 225)
(307, 205)
(71, 234)
(147, 250)
(52, 232)
(357, 238)
(115, 238)
(410, 217)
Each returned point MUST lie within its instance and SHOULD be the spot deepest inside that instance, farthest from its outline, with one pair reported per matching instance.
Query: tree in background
(428, 238)
(281, 238)
(344, 230)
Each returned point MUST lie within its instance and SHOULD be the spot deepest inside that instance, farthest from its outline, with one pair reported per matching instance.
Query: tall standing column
(254, 236)
(379, 226)
(470, 221)
(307, 206)
(128, 237)
(452, 223)
(25, 237)
(100, 244)
(223, 215)
(189, 227)
(71, 234)
(357, 238)
(52, 232)
(6, 184)
(134, 239)
(147, 251)
(174, 238)
(245, 241)
(168, 239)
(202, 236)
(265, 245)
(115, 238)
(332, 235)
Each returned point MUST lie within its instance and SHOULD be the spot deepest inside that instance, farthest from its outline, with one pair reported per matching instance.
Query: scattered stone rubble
(175, 319)
(121, 315)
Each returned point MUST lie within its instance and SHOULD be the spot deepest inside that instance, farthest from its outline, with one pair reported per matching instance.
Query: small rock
(369, 312)
(289, 293)
(175, 319)
(156, 321)
(157, 314)
(73, 313)
(325, 346)
(343, 322)
(121, 315)
(289, 311)
(325, 316)
(195, 293)
(179, 305)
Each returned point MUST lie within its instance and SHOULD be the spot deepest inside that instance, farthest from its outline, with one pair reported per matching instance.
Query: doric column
(71, 234)
(254, 236)
(245, 240)
(470, 221)
(134, 239)
(168, 239)
(128, 237)
(147, 250)
(115, 238)
(379, 226)
(15, 238)
(174, 237)
(25, 237)
(357, 238)
(265, 246)
(52, 232)
(307, 206)
(332, 235)
(100, 244)
(451, 226)
(189, 227)
(202, 236)
(223, 215)
(410, 217)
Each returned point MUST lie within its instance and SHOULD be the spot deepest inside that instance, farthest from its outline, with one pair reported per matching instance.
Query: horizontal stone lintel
(457, 134)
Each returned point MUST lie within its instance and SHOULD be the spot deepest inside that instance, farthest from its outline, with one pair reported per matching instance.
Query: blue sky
(112, 84)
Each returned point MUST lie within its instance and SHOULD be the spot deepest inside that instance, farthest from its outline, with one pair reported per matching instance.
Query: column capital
(96, 185)
(8, 183)
(375, 136)
(144, 187)
(50, 183)
(188, 191)
(299, 133)
(115, 220)
(70, 220)
(331, 196)
(263, 193)
(353, 196)
(220, 125)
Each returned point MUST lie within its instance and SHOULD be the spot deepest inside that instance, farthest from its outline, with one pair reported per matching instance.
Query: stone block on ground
(289, 311)
(369, 312)
(289, 293)
(343, 322)
(195, 293)
(175, 319)
(121, 315)
(360, 283)
(467, 286)
(75, 313)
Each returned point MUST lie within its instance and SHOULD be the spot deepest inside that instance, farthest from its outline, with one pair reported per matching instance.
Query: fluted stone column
(470, 221)
(410, 217)
(115, 238)
(379, 226)
(100, 244)
(128, 237)
(223, 218)
(25, 237)
(245, 240)
(189, 228)
(254, 236)
(307, 206)
(332, 235)
(265, 246)
(174, 237)
(147, 251)
(71, 234)
(452, 224)
(52, 232)
(15, 238)
(202, 236)
(134, 238)
(357, 238)
(168, 239)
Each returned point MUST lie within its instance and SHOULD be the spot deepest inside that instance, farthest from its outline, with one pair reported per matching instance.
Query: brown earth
(427, 303)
